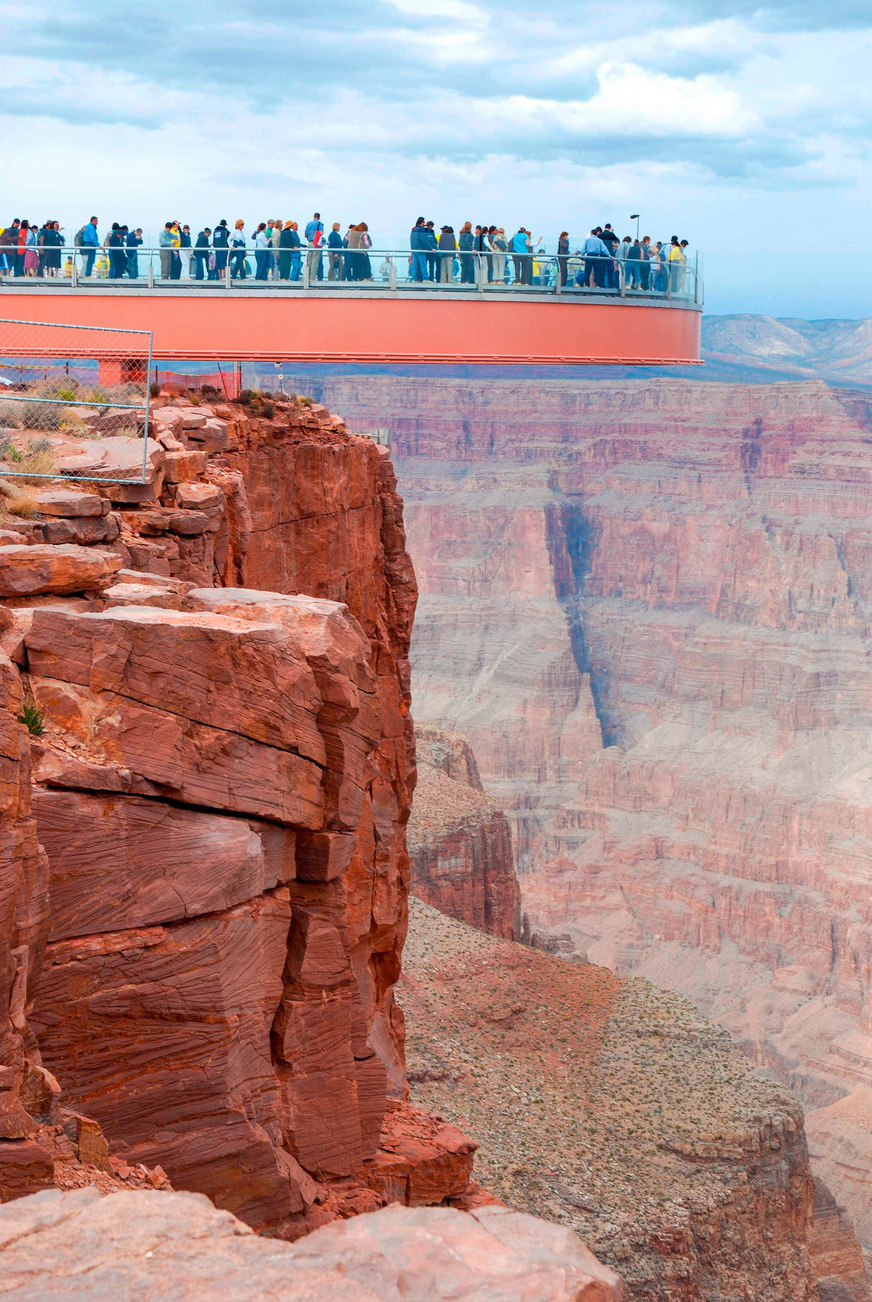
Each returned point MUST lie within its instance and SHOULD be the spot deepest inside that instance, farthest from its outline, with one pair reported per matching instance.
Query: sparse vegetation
(41, 415)
(18, 501)
(31, 717)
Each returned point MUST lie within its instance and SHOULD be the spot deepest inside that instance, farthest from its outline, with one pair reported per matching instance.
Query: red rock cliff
(222, 781)
(460, 843)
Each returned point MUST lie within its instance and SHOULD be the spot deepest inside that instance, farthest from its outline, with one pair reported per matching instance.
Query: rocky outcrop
(78, 1247)
(647, 605)
(222, 776)
(613, 1108)
(836, 1254)
(460, 843)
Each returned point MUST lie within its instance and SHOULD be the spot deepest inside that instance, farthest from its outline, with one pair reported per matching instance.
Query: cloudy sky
(745, 129)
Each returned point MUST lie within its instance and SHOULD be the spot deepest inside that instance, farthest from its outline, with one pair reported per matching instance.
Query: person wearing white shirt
(237, 250)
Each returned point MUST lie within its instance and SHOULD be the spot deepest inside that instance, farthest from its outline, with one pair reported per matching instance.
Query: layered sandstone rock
(460, 843)
(613, 1108)
(223, 776)
(76, 1247)
(647, 605)
(25, 1088)
(836, 1254)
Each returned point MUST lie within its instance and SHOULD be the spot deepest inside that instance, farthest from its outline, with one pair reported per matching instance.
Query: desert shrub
(9, 452)
(41, 415)
(11, 415)
(23, 504)
(306, 402)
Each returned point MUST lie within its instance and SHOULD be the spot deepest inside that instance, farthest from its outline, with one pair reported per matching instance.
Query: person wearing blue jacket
(432, 245)
(597, 261)
(133, 242)
(91, 242)
(418, 244)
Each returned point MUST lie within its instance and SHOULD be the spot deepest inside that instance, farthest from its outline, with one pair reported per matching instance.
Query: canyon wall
(205, 952)
(647, 605)
(460, 843)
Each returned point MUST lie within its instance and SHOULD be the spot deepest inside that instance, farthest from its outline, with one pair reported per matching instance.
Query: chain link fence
(74, 402)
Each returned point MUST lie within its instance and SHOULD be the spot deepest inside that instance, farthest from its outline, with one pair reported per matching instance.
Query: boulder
(183, 465)
(193, 496)
(26, 570)
(116, 457)
(71, 503)
(76, 1247)
(85, 530)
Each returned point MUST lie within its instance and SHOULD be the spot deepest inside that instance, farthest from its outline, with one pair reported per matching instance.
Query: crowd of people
(602, 261)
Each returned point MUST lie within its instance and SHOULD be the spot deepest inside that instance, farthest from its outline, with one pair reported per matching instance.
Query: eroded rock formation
(647, 604)
(222, 777)
(460, 843)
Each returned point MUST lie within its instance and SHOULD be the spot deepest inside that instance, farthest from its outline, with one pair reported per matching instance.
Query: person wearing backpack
(8, 246)
(314, 260)
(220, 242)
(315, 239)
(90, 240)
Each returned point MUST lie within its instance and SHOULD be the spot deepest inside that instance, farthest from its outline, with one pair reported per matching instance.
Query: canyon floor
(611, 1107)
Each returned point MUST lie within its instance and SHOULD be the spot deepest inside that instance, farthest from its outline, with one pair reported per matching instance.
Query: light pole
(634, 217)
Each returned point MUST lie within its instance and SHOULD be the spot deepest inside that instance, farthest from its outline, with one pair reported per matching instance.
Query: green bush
(31, 717)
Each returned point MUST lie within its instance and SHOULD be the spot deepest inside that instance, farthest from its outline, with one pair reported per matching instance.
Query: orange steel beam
(377, 327)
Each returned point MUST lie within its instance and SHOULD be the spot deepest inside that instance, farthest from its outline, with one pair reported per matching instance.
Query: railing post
(150, 270)
(622, 279)
(306, 269)
(668, 278)
(557, 285)
(74, 272)
(393, 274)
(228, 279)
(479, 272)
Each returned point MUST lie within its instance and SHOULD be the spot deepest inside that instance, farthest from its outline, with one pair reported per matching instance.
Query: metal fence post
(306, 270)
(150, 270)
(393, 274)
(74, 273)
(479, 273)
(227, 276)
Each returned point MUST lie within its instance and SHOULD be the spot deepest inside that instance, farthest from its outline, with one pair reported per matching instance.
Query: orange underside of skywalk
(378, 328)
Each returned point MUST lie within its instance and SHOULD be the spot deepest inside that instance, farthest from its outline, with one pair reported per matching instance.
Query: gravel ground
(604, 1104)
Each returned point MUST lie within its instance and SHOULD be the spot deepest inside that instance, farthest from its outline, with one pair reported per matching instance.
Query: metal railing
(326, 270)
